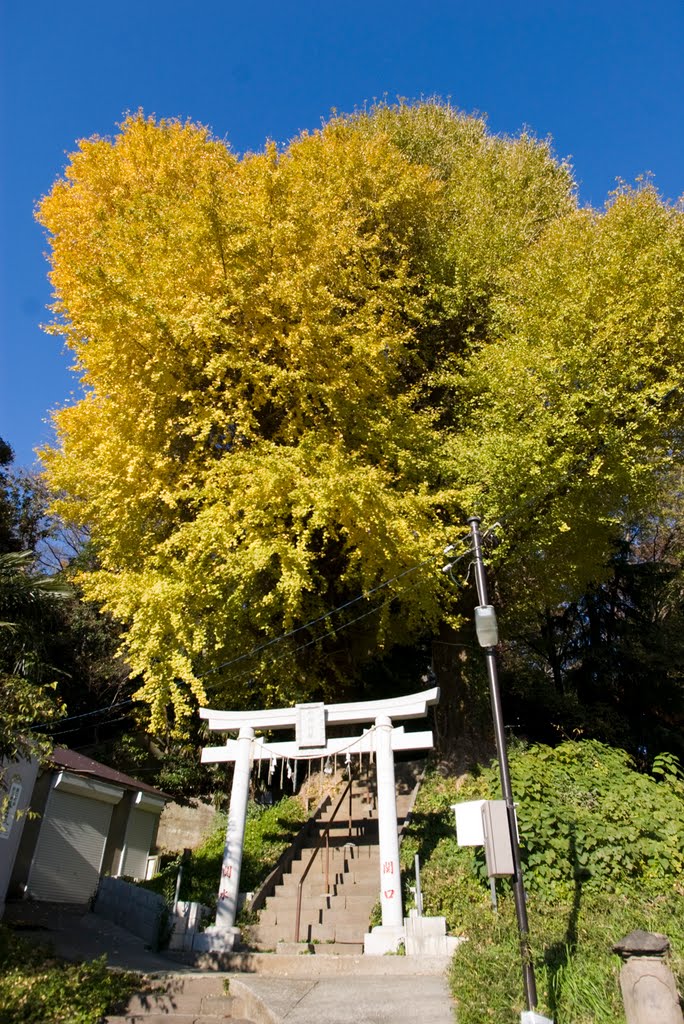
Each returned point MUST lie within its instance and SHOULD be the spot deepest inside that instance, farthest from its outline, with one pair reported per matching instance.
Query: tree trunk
(462, 719)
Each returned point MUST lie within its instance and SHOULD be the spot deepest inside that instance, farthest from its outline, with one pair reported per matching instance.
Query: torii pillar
(388, 832)
(227, 906)
(310, 721)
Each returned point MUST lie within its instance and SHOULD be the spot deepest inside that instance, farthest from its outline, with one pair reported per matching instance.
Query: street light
(488, 637)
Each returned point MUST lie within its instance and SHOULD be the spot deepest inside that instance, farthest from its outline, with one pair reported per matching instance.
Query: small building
(86, 820)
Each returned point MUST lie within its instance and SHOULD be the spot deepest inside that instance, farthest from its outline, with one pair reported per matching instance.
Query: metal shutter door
(139, 832)
(68, 856)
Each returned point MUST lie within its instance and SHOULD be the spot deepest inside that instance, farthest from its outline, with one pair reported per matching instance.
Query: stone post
(235, 833)
(648, 987)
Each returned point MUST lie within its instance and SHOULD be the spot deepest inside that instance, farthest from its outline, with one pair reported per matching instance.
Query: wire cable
(338, 629)
(320, 618)
(85, 714)
(270, 643)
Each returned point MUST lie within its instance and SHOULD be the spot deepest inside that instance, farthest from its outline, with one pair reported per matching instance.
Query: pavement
(376, 999)
(77, 934)
(265, 988)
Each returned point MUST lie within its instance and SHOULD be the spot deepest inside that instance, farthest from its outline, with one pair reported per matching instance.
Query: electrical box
(497, 839)
(468, 816)
(486, 626)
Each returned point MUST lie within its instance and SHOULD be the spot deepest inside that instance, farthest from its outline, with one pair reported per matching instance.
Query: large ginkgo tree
(302, 369)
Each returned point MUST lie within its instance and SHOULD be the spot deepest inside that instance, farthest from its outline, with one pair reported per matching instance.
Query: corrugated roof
(61, 757)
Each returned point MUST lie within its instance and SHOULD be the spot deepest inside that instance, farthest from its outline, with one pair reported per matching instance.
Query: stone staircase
(342, 886)
(334, 919)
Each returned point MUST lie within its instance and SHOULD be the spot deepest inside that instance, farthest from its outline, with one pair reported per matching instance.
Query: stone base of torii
(310, 722)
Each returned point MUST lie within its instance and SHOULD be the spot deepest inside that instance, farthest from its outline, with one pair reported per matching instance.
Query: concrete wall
(115, 837)
(137, 910)
(184, 828)
(186, 920)
(24, 773)
(29, 836)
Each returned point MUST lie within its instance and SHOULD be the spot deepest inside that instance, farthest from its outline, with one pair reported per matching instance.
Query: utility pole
(485, 623)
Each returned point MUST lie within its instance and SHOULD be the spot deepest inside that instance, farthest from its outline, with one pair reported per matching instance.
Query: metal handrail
(325, 836)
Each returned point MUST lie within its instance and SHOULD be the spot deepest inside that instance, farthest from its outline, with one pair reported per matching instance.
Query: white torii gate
(310, 722)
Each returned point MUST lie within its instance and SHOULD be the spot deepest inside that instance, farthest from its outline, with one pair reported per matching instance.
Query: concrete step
(346, 853)
(351, 935)
(359, 805)
(342, 900)
(280, 915)
(339, 948)
(335, 864)
(310, 890)
(359, 809)
(185, 999)
(331, 931)
(267, 937)
(336, 873)
(207, 1004)
(292, 962)
(315, 886)
(175, 1018)
(359, 879)
(351, 860)
(316, 896)
(320, 949)
(341, 914)
(341, 929)
(339, 846)
(289, 904)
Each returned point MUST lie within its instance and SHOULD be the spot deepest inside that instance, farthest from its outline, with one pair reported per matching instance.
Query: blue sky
(606, 81)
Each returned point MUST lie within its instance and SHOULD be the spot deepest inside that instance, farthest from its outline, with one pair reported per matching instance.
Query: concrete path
(264, 988)
(343, 1000)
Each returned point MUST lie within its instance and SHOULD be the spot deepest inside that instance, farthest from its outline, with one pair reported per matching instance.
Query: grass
(576, 970)
(38, 988)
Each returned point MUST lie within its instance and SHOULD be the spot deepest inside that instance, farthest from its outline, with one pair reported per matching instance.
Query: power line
(272, 642)
(86, 714)
(335, 630)
(312, 622)
(339, 629)
(76, 728)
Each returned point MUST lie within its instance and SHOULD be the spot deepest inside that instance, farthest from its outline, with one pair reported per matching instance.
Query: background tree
(304, 368)
(27, 691)
(609, 665)
(57, 652)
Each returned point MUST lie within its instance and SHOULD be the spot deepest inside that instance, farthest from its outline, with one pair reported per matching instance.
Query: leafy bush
(37, 988)
(602, 846)
(585, 814)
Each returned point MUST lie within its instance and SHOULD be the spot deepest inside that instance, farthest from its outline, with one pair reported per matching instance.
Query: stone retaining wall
(184, 827)
(138, 910)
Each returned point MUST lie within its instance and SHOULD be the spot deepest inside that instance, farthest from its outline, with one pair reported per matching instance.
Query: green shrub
(38, 988)
(603, 848)
(268, 832)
